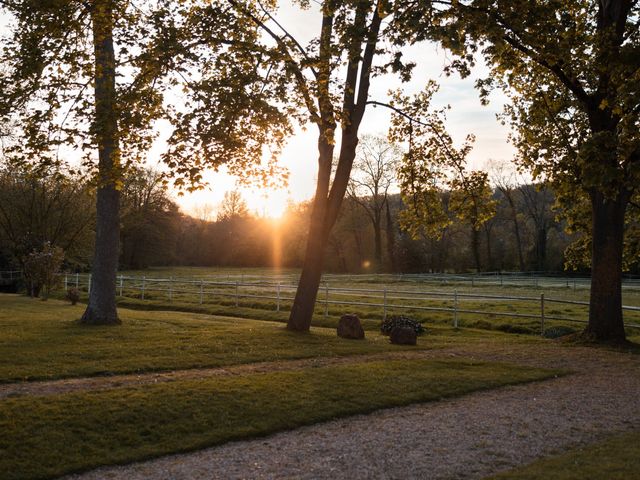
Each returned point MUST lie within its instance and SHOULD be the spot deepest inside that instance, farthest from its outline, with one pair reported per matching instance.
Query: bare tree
(373, 174)
(505, 181)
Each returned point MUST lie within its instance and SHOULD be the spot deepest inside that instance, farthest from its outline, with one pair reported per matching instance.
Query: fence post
(236, 293)
(384, 305)
(542, 314)
(201, 291)
(143, 284)
(455, 309)
(77, 280)
(89, 285)
(278, 300)
(121, 284)
(170, 289)
(326, 300)
(65, 281)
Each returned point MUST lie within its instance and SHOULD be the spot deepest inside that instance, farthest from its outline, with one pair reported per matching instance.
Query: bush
(509, 328)
(41, 269)
(394, 321)
(558, 331)
(73, 295)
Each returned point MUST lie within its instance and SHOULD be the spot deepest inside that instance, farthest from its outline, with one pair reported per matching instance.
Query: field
(517, 304)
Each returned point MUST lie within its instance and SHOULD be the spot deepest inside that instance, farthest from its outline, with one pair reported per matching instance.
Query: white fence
(277, 293)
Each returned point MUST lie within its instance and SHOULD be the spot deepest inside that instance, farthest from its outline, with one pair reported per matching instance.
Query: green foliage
(52, 435)
(394, 321)
(39, 205)
(433, 167)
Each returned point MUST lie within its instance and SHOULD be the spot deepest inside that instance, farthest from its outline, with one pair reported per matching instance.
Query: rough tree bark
(605, 305)
(102, 299)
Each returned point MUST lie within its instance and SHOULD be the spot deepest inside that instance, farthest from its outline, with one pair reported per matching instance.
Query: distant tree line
(54, 207)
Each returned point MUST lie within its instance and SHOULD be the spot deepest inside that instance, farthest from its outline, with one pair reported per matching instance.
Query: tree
(505, 182)
(572, 70)
(45, 205)
(233, 206)
(149, 220)
(471, 201)
(433, 166)
(538, 201)
(374, 172)
(291, 81)
(57, 50)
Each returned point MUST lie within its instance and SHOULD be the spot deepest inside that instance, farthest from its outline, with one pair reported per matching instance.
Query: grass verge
(43, 437)
(617, 458)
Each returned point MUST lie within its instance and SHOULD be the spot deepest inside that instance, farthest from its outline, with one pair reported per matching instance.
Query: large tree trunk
(307, 291)
(605, 307)
(102, 299)
(323, 217)
(327, 203)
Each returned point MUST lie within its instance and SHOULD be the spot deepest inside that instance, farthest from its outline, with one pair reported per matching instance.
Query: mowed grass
(616, 458)
(43, 437)
(43, 340)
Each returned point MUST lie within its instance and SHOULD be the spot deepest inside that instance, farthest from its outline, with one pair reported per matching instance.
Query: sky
(466, 116)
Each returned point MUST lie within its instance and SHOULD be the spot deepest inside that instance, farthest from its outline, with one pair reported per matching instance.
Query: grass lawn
(616, 458)
(43, 437)
(42, 340)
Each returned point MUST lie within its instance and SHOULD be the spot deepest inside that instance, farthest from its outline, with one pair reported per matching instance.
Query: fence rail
(280, 293)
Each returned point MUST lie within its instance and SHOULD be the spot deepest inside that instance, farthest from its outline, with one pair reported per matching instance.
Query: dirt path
(464, 438)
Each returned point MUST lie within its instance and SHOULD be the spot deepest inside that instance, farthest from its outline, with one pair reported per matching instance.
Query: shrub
(394, 321)
(481, 324)
(509, 328)
(73, 295)
(558, 331)
(41, 269)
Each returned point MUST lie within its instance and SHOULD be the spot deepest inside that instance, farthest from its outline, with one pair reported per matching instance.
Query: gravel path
(464, 438)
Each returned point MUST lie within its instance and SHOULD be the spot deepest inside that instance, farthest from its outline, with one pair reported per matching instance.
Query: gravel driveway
(463, 438)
